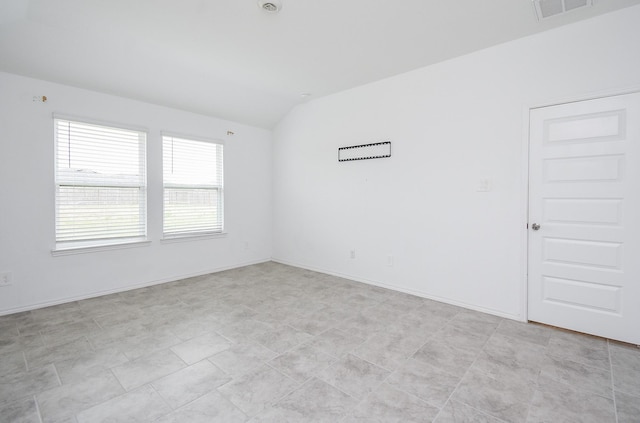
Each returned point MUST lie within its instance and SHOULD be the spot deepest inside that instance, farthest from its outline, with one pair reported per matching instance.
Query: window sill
(88, 248)
(192, 237)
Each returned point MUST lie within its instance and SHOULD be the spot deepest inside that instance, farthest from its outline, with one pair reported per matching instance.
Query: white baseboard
(400, 289)
(127, 288)
(237, 265)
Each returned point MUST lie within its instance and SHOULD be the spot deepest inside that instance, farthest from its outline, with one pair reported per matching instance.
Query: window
(100, 176)
(193, 189)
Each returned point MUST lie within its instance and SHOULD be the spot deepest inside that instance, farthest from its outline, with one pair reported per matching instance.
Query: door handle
(535, 227)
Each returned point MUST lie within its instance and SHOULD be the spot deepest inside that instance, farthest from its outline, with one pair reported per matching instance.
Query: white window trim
(191, 137)
(193, 236)
(83, 249)
(88, 246)
(92, 121)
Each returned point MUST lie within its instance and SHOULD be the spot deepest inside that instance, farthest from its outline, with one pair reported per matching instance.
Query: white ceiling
(230, 59)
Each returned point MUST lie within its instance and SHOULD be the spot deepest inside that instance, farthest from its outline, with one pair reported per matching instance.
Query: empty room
(320, 211)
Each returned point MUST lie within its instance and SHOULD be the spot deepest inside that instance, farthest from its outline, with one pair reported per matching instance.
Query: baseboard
(417, 293)
(128, 288)
(277, 260)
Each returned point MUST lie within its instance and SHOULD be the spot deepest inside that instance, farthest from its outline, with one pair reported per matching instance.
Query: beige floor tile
(242, 357)
(278, 343)
(584, 349)
(303, 405)
(555, 401)
(12, 362)
(209, 408)
(89, 363)
(190, 383)
(506, 398)
(201, 347)
(626, 380)
(41, 356)
(586, 378)
(254, 391)
(504, 356)
(23, 411)
(147, 369)
(67, 400)
(438, 352)
(22, 384)
(336, 342)
(302, 363)
(628, 408)
(455, 412)
(141, 405)
(424, 381)
(354, 376)
(387, 404)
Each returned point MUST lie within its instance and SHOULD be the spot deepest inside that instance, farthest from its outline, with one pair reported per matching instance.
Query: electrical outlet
(246, 245)
(390, 261)
(353, 254)
(5, 278)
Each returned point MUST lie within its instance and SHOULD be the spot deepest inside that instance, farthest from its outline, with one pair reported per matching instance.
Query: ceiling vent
(547, 8)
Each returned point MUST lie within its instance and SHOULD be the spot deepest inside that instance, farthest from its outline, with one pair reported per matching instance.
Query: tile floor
(273, 343)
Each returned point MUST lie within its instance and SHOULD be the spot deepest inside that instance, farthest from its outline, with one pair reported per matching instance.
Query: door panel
(596, 211)
(607, 255)
(586, 295)
(584, 192)
(584, 169)
(602, 126)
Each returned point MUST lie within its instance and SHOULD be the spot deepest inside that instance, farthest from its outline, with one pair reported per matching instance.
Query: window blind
(100, 176)
(193, 187)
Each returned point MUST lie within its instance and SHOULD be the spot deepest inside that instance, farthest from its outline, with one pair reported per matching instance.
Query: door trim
(524, 186)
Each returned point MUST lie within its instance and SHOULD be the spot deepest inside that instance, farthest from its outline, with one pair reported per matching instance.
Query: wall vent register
(377, 150)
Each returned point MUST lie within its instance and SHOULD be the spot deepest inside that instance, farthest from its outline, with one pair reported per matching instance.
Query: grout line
(402, 360)
(24, 358)
(93, 319)
(393, 371)
(300, 384)
(535, 382)
(277, 399)
(580, 363)
(357, 401)
(613, 389)
(397, 388)
(118, 380)
(465, 375)
(35, 400)
(153, 388)
(55, 368)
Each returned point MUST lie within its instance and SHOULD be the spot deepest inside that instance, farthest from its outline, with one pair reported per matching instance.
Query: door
(584, 217)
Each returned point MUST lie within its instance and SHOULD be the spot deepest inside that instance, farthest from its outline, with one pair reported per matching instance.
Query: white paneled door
(584, 217)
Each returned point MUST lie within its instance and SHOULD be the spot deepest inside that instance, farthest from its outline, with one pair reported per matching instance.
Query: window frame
(175, 236)
(63, 247)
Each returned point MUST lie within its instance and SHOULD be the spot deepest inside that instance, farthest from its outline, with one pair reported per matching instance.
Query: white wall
(450, 125)
(27, 198)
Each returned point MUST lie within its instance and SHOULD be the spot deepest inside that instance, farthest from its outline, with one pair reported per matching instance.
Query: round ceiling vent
(271, 6)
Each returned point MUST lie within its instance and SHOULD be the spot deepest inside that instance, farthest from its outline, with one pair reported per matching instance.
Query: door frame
(524, 186)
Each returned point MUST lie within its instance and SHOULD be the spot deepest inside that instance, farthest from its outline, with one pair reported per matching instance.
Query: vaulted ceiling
(231, 59)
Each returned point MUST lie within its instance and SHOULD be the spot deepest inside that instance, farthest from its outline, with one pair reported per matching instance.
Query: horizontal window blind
(100, 183)
(193, 187)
